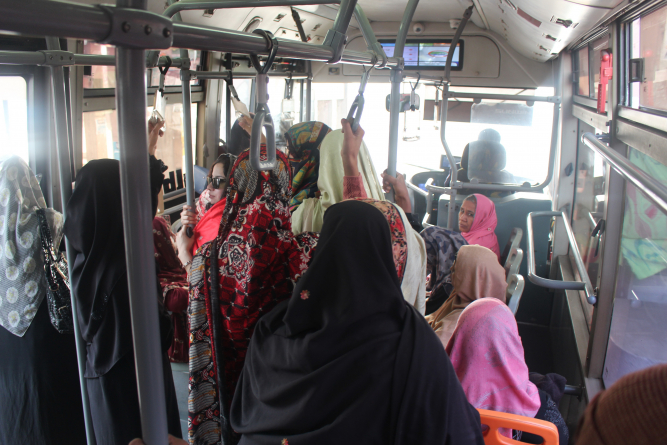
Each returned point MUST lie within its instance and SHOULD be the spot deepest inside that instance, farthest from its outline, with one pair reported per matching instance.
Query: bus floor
(180, 371)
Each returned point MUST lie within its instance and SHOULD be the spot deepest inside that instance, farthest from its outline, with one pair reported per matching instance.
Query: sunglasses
(217, 182)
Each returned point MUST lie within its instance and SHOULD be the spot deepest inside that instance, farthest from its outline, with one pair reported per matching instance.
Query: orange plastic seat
(495, 420)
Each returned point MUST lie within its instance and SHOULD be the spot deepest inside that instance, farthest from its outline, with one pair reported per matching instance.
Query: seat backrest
(513, 242)
(495, 420)
(513, 262)
(515, 286)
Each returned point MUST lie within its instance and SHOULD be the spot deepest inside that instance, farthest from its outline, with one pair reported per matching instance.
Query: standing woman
(38, 370)
(94, 228)
(346, 360)
(257, 259)
(477, 225)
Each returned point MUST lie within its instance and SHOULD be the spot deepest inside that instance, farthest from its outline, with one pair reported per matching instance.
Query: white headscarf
(22, 280)
(413, 285)
(308, 217)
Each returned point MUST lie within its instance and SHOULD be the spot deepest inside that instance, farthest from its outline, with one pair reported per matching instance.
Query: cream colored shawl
(309, 215)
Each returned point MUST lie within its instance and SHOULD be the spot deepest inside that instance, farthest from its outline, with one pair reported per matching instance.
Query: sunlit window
(13, 117)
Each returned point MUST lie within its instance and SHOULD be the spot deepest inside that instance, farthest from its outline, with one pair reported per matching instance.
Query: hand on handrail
(397, 184)
(351, 145)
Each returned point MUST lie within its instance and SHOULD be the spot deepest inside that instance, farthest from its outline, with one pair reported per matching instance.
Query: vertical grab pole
(396, 79)
(137, 228)
(187, 136)
(65, 172)
(451, 208)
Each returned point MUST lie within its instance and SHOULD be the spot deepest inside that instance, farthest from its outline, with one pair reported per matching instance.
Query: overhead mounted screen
(427, 54)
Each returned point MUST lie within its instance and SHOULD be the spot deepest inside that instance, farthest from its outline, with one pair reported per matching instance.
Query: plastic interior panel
(512, 243)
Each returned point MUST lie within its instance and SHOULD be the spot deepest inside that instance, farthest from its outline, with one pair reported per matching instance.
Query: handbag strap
(45, 235)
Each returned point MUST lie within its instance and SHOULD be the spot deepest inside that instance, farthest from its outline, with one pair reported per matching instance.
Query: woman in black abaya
(94, 228)
(346, 359)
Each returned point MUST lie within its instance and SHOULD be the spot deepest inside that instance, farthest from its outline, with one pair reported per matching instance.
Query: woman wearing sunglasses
(206, 220)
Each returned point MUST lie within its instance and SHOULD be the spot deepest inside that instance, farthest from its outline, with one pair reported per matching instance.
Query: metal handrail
(416, 189)
(584, 285)
(654, 191)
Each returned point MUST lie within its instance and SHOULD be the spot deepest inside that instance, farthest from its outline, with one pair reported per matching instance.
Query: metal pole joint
(57, 58)
(336, 41)
(138, 29)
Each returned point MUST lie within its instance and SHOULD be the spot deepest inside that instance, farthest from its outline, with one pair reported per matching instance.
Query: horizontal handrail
(416, 189)
(91, 22)
(584, 285)
(654, 190)
(512, 97)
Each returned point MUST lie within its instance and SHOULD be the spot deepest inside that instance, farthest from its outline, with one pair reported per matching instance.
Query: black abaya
(94, 227)
(346, 359)
(40, 397)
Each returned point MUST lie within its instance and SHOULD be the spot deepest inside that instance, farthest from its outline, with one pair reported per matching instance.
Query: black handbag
(57, 291)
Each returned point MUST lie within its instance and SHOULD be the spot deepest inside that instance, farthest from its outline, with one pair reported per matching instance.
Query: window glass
(589, 201)
(173, 76)
(596, 49)
(105, 76)
(100, 136)
(652, 41)
(13, 117)
(101, 76)
(243, 88)
(419, 144)
(636, 337)
(583, 83)
(285, 112)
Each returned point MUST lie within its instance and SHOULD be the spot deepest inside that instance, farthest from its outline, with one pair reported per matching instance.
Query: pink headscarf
(484, 225)
(487, 355)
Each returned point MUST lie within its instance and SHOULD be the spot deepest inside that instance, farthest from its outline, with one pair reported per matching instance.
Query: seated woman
(488, 358)
(38, 370)
(173, 286)
(632, 411)
(331, 185)
(346, 359)
(94, 228)
(477, 223)
(210, 207)
(476, 274)
(258, 258)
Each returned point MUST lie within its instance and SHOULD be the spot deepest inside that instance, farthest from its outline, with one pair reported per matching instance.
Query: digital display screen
(427, 54)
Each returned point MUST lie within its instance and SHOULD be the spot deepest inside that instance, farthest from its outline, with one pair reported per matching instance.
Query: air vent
(316, 27)
(550, 37)
(543, 48)
(279, 17)
(529, 18)
(564, 23)
(510, 4)
(208, 12)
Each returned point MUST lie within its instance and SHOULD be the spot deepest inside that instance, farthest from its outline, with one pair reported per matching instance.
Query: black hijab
(94, 228)
(346, 359)
(239, 139)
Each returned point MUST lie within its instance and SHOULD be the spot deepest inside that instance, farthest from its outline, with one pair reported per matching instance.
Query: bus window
(583, 79)
(588, 210)
(243, 88)
(14, 117)
(105, 76)
(636, 338)
(648, 42)
(100, 76)
(100, 135)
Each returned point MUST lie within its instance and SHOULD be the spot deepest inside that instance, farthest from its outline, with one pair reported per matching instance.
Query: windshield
(526, 141)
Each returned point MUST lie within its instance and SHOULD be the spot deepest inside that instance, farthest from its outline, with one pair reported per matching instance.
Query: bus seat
(495, 420)
(512, 212)
(515, 285)
(512, 243)
(513, 262)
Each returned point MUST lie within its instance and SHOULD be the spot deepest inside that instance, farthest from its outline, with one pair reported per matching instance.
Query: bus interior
(552, 109)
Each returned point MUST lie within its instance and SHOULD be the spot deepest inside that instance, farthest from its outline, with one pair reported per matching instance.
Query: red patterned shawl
(258, 260)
